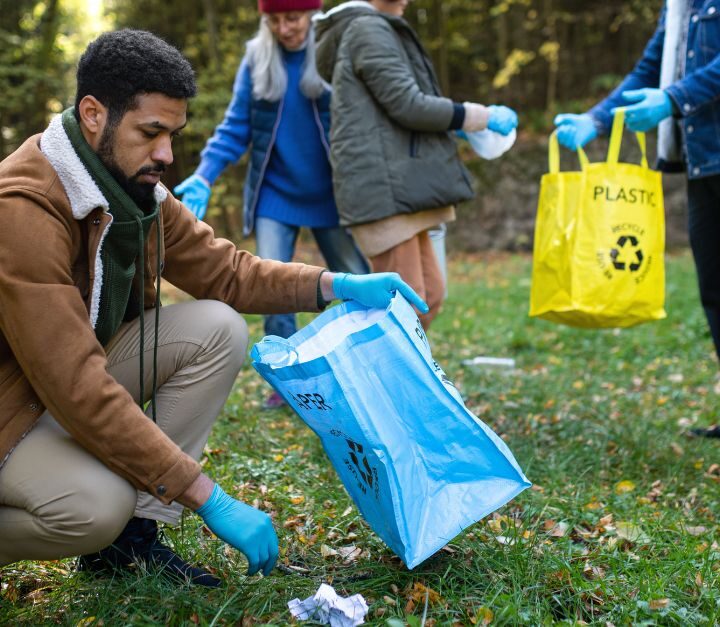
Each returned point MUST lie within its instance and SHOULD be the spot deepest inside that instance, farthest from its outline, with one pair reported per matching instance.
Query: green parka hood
(329, 29)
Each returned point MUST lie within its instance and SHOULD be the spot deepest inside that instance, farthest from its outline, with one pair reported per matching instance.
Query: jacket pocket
(709, 30)
(414, 144)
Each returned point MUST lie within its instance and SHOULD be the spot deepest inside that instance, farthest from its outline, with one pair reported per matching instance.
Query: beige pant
(58, 500)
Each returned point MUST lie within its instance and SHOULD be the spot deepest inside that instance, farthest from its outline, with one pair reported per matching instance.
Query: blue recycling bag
(417, 463)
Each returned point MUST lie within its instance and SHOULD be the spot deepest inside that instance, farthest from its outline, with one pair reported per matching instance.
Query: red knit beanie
(280, 6)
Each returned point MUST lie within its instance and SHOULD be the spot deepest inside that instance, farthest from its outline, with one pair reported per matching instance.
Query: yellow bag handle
(554, 154)
(616, 140)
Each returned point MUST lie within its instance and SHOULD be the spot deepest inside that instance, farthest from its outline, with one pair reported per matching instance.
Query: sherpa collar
(82, 191)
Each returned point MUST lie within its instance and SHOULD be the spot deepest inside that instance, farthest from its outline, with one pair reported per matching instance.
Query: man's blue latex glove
(247, 529)
(574, 131)
(502, 119)
(196, 195)
(375, 290)
(652, 107)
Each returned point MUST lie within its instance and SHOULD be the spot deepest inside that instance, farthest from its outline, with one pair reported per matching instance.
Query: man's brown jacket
(53, 219)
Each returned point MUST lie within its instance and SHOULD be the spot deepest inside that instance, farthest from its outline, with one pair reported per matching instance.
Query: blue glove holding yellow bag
(651, 107)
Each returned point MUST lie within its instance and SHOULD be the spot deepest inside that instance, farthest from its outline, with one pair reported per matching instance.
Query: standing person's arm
(574, 130)
(646, 73)
(377, 58)
(229, 142)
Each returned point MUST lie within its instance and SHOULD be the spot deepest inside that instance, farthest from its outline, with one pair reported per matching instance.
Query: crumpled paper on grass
(329, 608)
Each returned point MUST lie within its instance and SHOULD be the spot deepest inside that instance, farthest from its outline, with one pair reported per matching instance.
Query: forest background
(540, 57)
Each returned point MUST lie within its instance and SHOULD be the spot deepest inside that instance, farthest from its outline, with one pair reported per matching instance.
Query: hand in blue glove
(574, 131)
(502, 119)
(196, 194)
(247, 529)
(652, 107)
(375, 290)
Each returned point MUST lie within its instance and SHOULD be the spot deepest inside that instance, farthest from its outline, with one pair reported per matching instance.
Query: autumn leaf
(624, 487)
(484, 616)
(418, 591)
(349, 553)
(327, 551)
(659, 604)
(631, 532)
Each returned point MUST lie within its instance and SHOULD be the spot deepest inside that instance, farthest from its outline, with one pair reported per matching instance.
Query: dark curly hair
(120, 65)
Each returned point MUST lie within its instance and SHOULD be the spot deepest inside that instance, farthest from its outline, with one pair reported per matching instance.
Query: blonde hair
(269, 76)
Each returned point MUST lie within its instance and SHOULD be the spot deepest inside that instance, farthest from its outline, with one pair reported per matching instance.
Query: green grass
(620, 526)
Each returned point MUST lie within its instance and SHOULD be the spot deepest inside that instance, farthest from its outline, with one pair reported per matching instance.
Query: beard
(142, 194)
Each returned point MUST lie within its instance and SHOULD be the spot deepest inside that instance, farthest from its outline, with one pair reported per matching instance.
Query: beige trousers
(58, 500)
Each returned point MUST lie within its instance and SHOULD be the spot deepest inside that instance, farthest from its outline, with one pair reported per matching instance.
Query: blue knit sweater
(296, 187)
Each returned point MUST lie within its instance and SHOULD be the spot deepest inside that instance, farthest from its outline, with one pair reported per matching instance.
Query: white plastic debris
(501, 362)
(329, 608)
(489, 144)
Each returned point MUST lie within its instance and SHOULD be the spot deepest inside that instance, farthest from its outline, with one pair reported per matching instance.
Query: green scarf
(123, 249)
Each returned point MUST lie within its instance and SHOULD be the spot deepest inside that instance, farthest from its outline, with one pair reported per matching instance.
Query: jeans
(276, 240)
(704, 230)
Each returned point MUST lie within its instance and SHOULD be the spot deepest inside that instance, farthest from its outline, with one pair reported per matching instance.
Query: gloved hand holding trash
(491, 131)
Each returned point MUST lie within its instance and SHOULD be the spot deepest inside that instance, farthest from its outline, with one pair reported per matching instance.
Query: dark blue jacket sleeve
(645, 74)
(232, 136)
(700, 88)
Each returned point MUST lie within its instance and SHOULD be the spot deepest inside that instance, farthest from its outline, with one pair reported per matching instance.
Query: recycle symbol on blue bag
(366, 472)
(627, 254)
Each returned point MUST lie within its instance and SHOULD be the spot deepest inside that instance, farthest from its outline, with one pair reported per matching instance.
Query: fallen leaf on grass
(593, 572)
(659, 604)
(556, 529)
(623, 487)
(418, 591)
(631, 533)
(484, 616)
(498, 523)
(327, 551)
(349, 553)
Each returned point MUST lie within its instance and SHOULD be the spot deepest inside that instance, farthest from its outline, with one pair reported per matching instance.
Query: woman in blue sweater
(280, 110)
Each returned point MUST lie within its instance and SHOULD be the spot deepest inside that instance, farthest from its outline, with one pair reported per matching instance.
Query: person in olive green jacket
(396, 171)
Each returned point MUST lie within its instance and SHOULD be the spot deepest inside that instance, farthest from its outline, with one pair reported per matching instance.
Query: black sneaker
(713, 431)
(138, 544)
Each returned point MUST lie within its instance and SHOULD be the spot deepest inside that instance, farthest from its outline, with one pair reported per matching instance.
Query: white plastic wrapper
(328, 608)
(489, 144)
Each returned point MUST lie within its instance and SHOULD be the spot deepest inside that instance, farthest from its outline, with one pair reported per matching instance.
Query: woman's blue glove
(652, 107)
(502, 119)
(574, 131)
(375, 290)
(196, 195)
(247, 529)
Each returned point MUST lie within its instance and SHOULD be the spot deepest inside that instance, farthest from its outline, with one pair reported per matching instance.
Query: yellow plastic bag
(598, 258)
